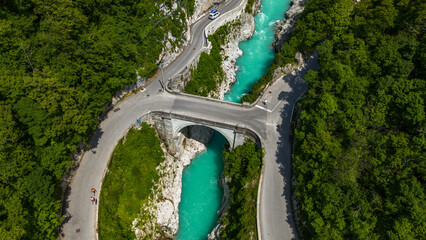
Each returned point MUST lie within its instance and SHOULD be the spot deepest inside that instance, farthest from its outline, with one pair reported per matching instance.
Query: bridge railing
(239, 128)
(245, 130)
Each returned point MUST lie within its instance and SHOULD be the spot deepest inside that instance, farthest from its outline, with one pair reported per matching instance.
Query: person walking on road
(93, 191)
(92, 199)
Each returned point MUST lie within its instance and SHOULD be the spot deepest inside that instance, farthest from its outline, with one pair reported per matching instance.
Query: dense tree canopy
(60, 63)
(242, 173)
(359, 160)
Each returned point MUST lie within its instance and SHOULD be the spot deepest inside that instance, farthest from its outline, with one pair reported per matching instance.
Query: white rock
(231, 51)
(164, 204)
(284, 28)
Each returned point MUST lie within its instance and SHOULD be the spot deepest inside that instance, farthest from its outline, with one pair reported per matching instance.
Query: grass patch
(242, 171)
(128, 182)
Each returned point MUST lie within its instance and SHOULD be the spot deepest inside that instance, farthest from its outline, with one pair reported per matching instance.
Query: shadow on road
(65, 206)
(94, 140)
(283, 154)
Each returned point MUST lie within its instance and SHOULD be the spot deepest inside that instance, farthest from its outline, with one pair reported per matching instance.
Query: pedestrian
(93, 191)
(92, 199)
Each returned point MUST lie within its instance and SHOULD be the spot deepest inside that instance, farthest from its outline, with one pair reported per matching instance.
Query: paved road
(270, 122)
(196, 43)
(276, 218)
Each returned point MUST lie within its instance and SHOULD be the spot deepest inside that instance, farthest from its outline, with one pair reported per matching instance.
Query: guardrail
(208, 30)
(238, 128)
(224, 18)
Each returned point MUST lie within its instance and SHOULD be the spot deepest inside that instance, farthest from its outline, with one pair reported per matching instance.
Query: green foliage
(242, 172)
(60, 63)
(321, 19)
(249, 6)
(130, 178)
(190, 6)
(208, 73)
(359, 159)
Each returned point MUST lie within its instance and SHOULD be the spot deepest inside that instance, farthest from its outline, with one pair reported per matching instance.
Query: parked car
(214, 14)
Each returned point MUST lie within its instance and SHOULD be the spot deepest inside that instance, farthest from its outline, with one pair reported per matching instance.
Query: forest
(359, 160)
(242, 173)
(60, 63)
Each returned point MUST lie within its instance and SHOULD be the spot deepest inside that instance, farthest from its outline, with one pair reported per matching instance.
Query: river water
(201, 194)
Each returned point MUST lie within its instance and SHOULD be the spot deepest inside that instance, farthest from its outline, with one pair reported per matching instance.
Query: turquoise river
(201, 194)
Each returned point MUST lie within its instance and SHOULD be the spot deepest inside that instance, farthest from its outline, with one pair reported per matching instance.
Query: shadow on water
(283, 155)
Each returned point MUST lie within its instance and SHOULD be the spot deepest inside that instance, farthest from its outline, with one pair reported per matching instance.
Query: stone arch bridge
(235, 134)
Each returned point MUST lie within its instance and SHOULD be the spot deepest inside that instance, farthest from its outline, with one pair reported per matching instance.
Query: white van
(214, 14)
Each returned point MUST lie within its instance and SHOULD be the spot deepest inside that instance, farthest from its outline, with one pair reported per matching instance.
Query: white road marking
(263, 108)
(268, 110)
(276, 105)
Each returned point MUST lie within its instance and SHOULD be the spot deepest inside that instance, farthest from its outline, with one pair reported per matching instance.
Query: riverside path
(271, 122)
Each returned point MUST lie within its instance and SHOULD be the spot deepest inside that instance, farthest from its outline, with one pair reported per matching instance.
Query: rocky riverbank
(283, 30)
(159, 217)
(242, 31)
(285, 27)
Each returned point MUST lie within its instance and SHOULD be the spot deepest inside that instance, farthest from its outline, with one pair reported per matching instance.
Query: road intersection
(270, 121)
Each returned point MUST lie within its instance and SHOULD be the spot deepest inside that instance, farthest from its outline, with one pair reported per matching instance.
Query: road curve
(271, 122)
(81, 216)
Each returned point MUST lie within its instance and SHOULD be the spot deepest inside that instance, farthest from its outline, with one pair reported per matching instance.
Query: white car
(214, 14)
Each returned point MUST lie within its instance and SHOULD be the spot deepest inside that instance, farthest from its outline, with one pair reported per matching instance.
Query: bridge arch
(234, 138)
(173, 124)
(228, 134)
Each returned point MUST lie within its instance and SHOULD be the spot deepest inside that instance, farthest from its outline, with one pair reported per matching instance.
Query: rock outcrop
(230, 51)
(285, 27)
(289, 68)
(159, 217)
